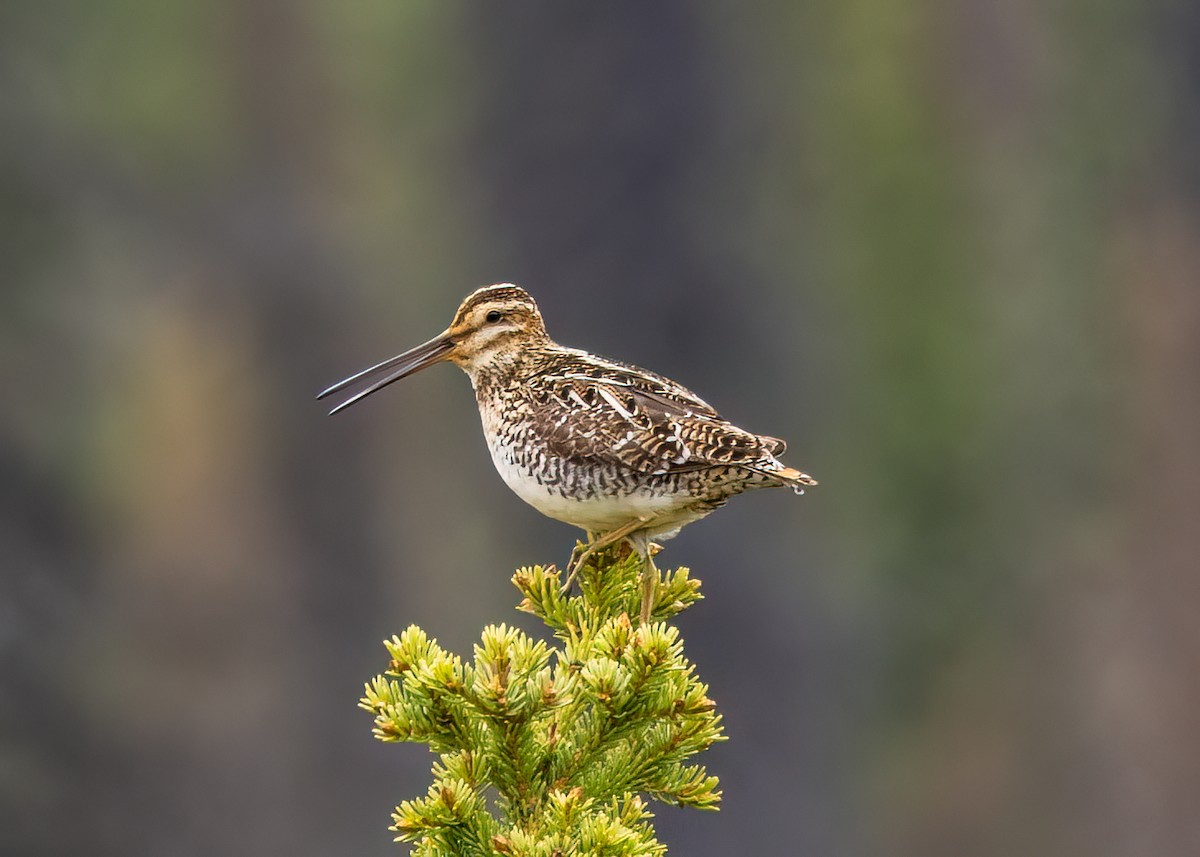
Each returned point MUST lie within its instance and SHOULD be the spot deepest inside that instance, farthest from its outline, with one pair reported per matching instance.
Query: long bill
(400, 366)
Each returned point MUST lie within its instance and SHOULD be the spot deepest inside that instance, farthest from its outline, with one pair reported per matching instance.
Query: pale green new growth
(548, 751)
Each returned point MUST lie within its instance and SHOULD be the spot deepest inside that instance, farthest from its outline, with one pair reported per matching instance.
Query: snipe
(618, 451)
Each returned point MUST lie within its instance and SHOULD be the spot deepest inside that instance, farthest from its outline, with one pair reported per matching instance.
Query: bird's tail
(795, 479)
(771, 466)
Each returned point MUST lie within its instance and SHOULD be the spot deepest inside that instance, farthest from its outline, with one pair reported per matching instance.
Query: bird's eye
(493, 316)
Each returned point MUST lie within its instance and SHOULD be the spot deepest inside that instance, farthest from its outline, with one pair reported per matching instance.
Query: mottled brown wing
(605, 412)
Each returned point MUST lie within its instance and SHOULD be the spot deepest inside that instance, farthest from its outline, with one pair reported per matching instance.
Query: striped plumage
(616, 450)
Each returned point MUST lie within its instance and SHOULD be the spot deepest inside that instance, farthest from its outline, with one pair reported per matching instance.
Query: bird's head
(492, 324)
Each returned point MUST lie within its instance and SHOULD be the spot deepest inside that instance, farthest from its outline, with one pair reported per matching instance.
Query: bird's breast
(594, 498)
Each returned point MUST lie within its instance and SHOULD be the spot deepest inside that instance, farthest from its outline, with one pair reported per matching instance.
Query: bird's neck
(502, 369)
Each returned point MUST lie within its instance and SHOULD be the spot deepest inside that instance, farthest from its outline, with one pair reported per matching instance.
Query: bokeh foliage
(947, 250)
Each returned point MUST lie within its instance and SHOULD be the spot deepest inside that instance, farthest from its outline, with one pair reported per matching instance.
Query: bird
(621, 452)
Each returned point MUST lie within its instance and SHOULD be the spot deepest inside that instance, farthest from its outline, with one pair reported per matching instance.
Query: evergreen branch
(565, 739)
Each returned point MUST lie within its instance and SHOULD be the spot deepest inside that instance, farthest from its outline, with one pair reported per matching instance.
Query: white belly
(598, 513)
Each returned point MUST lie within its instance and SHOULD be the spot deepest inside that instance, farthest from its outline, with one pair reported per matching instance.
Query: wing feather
(601, 411)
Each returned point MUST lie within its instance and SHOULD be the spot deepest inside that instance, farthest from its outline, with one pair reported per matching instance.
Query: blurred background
(950, 251)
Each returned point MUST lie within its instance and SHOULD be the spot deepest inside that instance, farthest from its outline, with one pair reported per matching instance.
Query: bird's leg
(572, 563)
(599, 543)
(580, 553)
(646, 548)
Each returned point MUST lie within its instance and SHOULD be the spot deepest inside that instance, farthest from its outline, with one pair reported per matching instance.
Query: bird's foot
(581, 554)
(650, 576)
(649, 588)
(578, 558)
